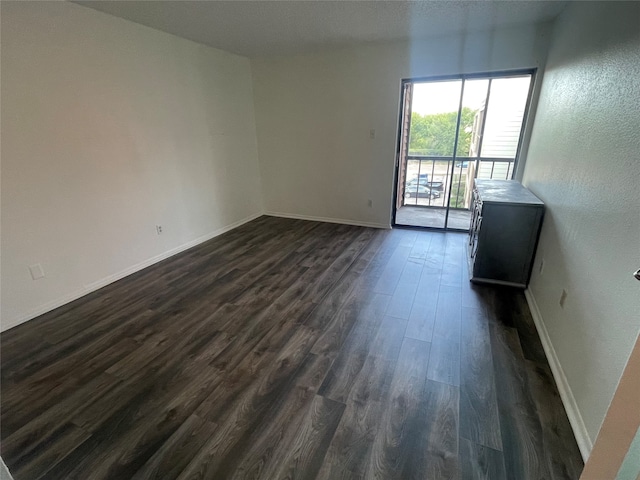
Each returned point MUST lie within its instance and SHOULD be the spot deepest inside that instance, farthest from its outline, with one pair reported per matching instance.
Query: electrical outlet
(369, 203)
(36, 271)
(541, 267)
(563, 298)
(159, 229)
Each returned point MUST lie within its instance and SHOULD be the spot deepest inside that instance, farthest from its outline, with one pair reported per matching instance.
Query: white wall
(109, 128)
(584, 162)
(314, 113)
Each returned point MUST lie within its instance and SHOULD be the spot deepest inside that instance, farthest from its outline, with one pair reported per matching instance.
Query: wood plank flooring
(288, 349)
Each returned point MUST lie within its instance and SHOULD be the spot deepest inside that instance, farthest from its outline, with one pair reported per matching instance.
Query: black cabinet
(505, 226)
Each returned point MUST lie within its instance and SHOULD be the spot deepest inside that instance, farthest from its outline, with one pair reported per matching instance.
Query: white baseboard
(575, 418)
(47, 307)
(329, 220)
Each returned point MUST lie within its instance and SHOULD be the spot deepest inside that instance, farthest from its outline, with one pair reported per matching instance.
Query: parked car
(435, 184)
(420, 191)
(415, 182)
(425, 183)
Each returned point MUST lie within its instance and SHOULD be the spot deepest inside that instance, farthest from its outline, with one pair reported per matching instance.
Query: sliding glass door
(453, 130)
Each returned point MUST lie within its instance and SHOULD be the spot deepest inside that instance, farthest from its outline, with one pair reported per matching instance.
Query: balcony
(433, 183)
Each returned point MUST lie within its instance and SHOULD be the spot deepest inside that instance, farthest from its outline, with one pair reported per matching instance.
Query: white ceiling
(259, 28)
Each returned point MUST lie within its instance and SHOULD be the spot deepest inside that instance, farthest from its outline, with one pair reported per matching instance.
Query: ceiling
(262, 28)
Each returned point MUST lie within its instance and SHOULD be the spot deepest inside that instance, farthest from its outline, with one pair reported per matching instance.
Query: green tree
(434, 134)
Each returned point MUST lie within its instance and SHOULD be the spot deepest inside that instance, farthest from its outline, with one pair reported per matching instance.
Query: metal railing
(430, 179)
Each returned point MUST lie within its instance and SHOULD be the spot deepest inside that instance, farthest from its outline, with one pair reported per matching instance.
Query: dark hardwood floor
(288, 349)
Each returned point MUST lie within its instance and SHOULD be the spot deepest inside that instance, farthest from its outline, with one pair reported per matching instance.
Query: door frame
(462, 76)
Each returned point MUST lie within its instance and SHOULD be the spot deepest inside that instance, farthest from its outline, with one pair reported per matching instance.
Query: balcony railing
(428, 179)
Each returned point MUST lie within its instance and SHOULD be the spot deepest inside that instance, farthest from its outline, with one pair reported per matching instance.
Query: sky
(442, 97)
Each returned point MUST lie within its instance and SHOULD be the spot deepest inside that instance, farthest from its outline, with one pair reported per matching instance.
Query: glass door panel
(432, 136)
(472, 113)
(453, 131)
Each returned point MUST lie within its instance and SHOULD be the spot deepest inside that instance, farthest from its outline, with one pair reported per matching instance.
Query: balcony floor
(432, 217)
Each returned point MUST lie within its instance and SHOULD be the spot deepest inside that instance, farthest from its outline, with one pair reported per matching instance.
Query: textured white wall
(314, 113)
(584, 162)
(109, 128)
